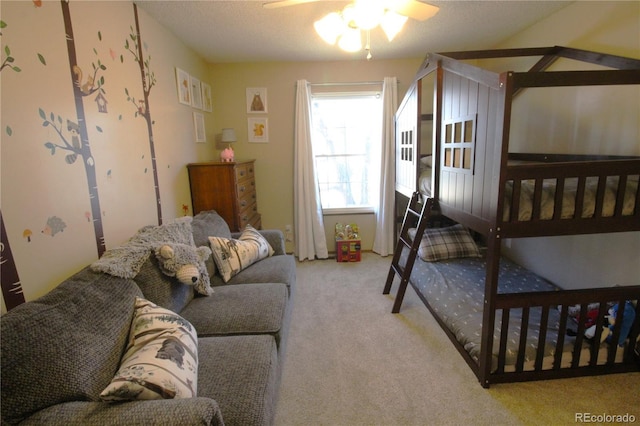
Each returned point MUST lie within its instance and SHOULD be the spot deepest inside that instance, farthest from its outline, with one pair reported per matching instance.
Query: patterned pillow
(161, 360)
(446, 243)
(232, 256)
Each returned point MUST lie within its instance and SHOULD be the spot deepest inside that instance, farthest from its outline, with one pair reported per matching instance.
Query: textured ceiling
(244, 31)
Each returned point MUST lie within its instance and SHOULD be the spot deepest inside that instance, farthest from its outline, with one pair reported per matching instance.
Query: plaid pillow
(446, 243)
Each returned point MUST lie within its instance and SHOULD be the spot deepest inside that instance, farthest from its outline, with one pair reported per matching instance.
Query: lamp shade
(228, 135)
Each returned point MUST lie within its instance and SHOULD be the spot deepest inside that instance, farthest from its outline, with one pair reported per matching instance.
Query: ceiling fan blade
(285, 3)
(413, 9)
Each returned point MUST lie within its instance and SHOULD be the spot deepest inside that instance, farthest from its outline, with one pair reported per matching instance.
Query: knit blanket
(125, 261)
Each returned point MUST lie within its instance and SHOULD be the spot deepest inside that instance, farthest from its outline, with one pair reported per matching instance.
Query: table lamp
(228, 137)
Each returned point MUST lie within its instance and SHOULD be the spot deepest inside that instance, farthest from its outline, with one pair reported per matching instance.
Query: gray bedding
(455, 291)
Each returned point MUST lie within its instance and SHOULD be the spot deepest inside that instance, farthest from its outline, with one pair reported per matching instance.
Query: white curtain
(384, 241)
(310, 240)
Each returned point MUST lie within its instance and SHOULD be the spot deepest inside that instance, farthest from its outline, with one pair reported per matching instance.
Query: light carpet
(350, 361)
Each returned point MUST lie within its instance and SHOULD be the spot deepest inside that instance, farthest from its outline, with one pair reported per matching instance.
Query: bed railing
(570, 197)
(544, 302)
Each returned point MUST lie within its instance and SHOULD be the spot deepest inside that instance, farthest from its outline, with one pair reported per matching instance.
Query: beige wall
(593, 121)
(274, 160)
(37, 185)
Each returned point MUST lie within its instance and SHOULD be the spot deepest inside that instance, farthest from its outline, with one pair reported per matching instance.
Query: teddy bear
(186, 263)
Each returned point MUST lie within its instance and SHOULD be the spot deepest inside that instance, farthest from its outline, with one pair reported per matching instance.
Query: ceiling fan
(414, 9)
(344, 27)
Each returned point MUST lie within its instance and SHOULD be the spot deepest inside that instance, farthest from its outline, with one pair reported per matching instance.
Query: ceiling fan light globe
(330, 27)
(350, 40)
(392, 23)
(367, 13)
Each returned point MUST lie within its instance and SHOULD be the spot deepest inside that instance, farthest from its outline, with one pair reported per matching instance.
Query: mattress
(454, 289)
(547, 203)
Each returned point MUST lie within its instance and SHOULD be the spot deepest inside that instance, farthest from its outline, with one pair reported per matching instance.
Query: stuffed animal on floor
(629, 315)
(186, 263)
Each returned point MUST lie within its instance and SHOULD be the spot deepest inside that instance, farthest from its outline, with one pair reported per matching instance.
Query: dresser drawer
(250, 217)
(245, 188)
(244, 171)
(247, 199)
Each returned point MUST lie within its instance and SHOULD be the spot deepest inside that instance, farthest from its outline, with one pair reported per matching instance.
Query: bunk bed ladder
(416, 216)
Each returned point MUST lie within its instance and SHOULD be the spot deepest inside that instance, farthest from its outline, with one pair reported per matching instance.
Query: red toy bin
(348, 250)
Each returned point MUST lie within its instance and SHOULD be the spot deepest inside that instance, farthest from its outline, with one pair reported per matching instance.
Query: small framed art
(183, 83)
(256, 100)
(196, 93)
(207, 100)
(198, 125)
(258, 129)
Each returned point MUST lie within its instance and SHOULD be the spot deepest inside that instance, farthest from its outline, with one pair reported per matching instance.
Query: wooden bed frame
(471, 172)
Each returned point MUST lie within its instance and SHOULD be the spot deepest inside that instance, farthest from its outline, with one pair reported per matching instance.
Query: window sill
(347, 211)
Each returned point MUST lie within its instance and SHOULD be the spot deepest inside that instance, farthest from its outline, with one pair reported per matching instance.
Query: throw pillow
(446, 243)
(232, 256)
(161, 359)
(204, 225)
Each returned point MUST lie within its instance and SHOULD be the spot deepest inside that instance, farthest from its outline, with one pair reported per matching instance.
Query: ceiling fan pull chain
(368, 46)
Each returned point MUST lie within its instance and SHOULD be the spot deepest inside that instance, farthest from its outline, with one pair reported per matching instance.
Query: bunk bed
(469, 176)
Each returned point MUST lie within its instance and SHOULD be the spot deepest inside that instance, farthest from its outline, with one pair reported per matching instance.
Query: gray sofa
(59, 352)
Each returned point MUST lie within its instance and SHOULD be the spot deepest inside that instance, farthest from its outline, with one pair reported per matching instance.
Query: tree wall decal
(142, 105)
(11, 285)
(78, 147)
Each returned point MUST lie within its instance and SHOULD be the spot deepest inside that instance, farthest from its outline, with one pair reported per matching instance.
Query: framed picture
(183, 83)
(256, 100)
(207, 100)
(258, 129)
(198, 124)
(196, 93)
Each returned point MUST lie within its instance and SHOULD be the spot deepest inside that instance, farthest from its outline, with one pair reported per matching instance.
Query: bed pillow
(161, 359)
(232, 256)
(446, 243)
(426, 162)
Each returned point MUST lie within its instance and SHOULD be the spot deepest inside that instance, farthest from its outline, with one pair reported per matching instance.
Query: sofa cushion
(161, 289)
(232, 256)
(274, 269)
(242, 376)
(161, 361)
(192, 411)
(209, 224)
(66, 345)
(240, 309)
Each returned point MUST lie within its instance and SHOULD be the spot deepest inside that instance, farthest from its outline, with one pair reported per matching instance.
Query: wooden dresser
(229, 189)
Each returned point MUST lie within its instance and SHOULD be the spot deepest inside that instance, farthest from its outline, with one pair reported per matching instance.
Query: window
(347, 139)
